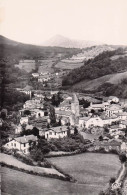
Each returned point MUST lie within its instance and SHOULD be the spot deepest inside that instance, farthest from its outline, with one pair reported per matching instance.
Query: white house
(91, 121)
(113, 99)
(39, 113)
(56, 132)
(35, 75)
(123, 124)
(113, 109)
(103, 105)
(21, 143)
(122, 115)
(18, 129)
(124, 147)
(24, 120)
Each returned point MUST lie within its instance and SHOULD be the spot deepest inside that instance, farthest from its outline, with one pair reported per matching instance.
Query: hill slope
(102, 74)
(15, 50)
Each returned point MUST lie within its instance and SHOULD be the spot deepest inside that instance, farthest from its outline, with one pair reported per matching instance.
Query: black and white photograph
(63, 97)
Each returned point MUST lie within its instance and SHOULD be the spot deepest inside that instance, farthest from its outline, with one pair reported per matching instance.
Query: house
(123, 124)
(91, 121)
(113, 99)
(18, 129)
(113, 109)
(29, 127)
(56, 132)
(24, 120)
(35, 75)
(39, 113)
(108, 120)
(21, 143)
(124, 147)
(99, 106)
(122, 115)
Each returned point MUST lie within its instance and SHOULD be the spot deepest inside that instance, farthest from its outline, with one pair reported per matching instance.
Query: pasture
(68, 65)
(92, 171)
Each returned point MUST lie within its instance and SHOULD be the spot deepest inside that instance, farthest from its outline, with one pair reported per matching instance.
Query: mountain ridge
(62, 41)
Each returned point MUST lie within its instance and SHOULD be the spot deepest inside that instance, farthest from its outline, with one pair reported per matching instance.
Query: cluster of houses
(93, 120)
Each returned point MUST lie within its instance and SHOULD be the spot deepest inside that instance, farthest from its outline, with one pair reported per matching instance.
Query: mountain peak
(61, 41)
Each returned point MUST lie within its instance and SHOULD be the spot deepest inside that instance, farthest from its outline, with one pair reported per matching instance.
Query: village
(101, 122)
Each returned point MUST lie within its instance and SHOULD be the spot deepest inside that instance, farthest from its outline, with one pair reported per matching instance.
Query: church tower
(74, 110)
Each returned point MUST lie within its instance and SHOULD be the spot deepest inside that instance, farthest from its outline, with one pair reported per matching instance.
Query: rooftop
(26, 139)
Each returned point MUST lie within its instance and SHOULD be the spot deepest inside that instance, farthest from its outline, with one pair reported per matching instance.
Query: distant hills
(16, 50)
(104, 73)
(61, 41)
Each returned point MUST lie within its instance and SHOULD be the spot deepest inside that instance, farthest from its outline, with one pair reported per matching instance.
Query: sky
(35, 21)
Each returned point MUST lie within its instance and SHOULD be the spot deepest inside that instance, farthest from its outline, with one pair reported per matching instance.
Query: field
(27, 66)
(68, 66)
(95, 83)
(46, 66)
(91, 170)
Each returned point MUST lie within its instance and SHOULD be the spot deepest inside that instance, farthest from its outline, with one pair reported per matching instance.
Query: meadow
(68, 66)
(91, 170)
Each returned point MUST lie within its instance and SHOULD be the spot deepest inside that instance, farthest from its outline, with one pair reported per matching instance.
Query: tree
(122, 158)
(100, 138)
(112, 180)
(3, 113)
(52, 114)
(59, 123)
(27, 112)
(75, 131)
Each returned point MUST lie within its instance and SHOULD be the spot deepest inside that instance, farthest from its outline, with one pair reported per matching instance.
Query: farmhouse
(21, 143)
(56, 132)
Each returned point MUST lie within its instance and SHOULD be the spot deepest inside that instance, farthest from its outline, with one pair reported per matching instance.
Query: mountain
(61, 41)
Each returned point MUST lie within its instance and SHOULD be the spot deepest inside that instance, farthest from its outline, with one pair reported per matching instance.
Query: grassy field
(69, 66)
(91, 170)
(27, 66)
(46, 65)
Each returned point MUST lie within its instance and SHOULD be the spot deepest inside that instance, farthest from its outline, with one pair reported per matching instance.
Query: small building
(35, 75)
(24, 120)
(122, 115)
(123, 124)
(124, 147)
(21, 143)
(56, 132)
